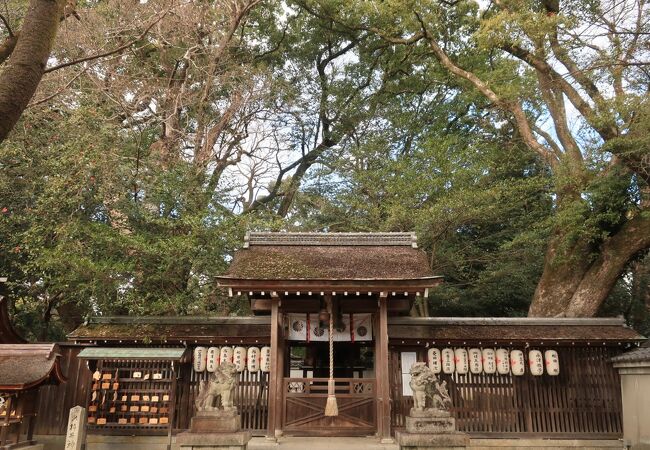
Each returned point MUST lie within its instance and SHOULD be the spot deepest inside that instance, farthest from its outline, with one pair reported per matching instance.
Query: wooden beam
(348, 305)
(381, 369)
(274, 407)
(250, 286)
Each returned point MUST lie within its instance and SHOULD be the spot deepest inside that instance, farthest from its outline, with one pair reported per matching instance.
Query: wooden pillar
(381, 369)
(276, 377)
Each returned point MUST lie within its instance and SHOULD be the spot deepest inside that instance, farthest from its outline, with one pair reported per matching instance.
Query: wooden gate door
(304, 407)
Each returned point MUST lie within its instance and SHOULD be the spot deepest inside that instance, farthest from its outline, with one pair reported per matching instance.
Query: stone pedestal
(214, 430)
(215, 421)
(429, 430)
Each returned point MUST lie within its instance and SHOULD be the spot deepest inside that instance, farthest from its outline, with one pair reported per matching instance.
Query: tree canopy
(510, 135)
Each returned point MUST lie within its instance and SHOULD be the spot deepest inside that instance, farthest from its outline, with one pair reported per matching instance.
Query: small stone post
(76, 431)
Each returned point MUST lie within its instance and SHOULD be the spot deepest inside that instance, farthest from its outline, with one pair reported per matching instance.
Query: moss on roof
(329, 262)
(171, 332)
(276, 264)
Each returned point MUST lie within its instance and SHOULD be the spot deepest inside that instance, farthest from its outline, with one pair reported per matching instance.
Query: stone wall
(634, 369)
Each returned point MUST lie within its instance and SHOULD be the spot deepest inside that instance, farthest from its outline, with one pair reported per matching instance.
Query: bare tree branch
(7, 26)
(58, 92)
(110, 52)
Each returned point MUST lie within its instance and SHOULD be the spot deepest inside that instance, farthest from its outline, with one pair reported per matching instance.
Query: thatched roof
(323, 262)
(257, 330)
(24, 366)
(340, 256)
(486, 330)
(174, 329)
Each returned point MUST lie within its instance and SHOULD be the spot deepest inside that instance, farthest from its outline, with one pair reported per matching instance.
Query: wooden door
(304, 407)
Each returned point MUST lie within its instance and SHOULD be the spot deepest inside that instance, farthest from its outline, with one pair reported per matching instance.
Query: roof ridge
(408, 239)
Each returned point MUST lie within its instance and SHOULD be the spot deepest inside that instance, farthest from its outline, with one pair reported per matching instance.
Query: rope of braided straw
(331, 346)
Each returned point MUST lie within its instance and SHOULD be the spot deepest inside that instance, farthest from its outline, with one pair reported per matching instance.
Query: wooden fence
(251, 398)
(584, 400)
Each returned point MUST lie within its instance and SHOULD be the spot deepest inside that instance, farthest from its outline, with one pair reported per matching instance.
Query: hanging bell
(323, 318)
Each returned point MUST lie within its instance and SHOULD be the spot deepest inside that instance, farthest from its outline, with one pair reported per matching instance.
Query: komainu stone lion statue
(220, 384)
(425, 385)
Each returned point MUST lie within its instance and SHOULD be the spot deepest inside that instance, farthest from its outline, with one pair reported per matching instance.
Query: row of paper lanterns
(252, 359)
(489, 360)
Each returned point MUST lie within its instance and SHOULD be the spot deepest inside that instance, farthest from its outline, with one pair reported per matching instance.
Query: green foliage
(95, 225)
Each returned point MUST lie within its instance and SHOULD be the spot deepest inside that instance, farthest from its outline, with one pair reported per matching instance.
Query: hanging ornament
(503, 361)
(536, 362)
(552, 361)
(448, 364)
(489, 361)
(212, 360)
(226, 355)
(239, 358)
(253, 359)
(435, 360)
(461, 360)
(475, 360)
(331, 406)
(517, 363)
(265, 363)
(200, 354)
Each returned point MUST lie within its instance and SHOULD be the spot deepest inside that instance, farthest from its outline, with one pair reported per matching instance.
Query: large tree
(572, 78)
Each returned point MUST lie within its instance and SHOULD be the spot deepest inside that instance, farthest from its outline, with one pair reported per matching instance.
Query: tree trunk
(571, 286)
(24, 69)
(601, 277)
(563, 271)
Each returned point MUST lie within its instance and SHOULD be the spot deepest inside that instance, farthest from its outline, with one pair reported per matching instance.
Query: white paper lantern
(435, 360)
(536, 362)
(253, 359)
(462, 361)
(212, 361)
(517, 362)
(503, 361)
(239, 358)
(475, 360)
(448, 364)
(226, 355)
(199, 356)
(489, 361)
(265, 363)
(552, 361)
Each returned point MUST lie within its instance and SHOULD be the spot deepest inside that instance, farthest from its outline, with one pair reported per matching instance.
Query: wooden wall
(584, 400)
(54, 402)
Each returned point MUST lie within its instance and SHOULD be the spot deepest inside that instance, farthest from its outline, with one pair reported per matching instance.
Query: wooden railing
(355, 387)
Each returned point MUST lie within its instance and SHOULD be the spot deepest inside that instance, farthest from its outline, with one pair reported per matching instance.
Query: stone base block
(209, 422)
(445, 441)
(430, 425)
(213, 441)
(429, 412)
